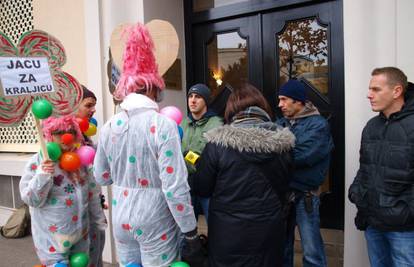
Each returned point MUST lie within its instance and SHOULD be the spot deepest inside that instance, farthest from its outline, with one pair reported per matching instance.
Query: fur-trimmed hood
(252, 139)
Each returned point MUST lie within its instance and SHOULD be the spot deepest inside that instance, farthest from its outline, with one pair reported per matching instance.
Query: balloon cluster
(68, 161)
(88, 126)
(175, 114)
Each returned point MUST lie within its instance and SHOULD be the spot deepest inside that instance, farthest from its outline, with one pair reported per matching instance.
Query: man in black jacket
(383, 187)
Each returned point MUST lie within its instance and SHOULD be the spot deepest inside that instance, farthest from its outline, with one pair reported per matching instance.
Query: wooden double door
(266, 47)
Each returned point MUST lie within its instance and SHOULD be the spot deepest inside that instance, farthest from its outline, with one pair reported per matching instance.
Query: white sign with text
(25, 75)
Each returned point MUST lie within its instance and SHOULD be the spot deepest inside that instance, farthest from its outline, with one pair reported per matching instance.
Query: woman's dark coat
(246, 173)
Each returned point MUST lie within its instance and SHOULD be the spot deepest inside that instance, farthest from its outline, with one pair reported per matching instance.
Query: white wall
(172, 11)
(376, 34)
(63, 19)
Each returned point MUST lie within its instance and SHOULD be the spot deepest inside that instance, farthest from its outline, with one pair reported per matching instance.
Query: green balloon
(80, 259)
(42, 109)
(180, 264)
(54, 151)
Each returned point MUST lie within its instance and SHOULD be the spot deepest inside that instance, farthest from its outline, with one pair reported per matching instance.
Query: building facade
(331, 45)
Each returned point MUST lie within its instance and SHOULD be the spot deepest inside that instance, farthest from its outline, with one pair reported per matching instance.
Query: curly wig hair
(139, 70)
(60, 125)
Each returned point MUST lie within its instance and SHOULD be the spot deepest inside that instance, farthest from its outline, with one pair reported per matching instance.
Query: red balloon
(83, 124)
(69, 161)
(67, 138)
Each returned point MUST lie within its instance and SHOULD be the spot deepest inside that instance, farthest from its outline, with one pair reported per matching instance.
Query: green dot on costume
(53, 201)
(132, 159)
(93, 185)
(109, 158)
(66, 244)
(119, 122)
(169, 194)
(139, 232)
(114, 202)
(164, 257)
(164, 137)
(169, 153)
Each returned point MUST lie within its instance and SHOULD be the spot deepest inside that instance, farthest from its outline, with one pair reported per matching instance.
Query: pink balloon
(86, 155)
(173, 113)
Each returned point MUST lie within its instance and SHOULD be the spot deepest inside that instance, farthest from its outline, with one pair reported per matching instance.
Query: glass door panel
(227, 61)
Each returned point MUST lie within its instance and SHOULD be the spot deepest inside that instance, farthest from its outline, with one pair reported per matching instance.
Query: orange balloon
(69, 161)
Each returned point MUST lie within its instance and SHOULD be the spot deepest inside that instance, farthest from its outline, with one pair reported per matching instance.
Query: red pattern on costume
(180, 207)
(143, 182)
(69, 202)
(33, 167)
(126, 226)
(53, 228)
(106, 175)
(170, 169)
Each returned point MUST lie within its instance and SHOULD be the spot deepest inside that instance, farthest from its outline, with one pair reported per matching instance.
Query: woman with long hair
(245, 170)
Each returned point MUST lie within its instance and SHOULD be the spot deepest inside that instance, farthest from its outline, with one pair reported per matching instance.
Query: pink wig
(139, 70)
(61, 124)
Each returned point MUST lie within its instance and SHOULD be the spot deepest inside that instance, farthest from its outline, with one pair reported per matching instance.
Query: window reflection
(303, 53)
(201, 5)
(227, 61)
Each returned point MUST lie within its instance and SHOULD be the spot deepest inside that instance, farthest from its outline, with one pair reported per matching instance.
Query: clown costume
(61, 203)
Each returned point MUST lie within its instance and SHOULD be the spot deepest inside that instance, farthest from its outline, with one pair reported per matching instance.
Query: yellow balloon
(91, 130)
(77, 145)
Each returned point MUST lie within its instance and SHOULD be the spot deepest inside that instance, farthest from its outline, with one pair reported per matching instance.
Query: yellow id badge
(191, 157)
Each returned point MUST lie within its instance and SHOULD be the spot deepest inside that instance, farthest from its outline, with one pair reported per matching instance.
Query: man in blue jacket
(311, 159)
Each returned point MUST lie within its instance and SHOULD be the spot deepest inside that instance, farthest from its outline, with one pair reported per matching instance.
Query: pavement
(20, 252)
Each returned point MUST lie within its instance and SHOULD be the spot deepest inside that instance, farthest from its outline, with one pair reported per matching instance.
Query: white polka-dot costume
(139, 154)
(60, 208)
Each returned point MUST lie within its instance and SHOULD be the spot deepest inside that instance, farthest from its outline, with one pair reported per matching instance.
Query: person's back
(139, 156)
(142, 147)
(267, 164)
(245, 168)
(139, 153)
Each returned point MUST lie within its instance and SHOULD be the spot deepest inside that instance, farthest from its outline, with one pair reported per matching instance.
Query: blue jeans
(390, 249)
(310, 235)
(200, 204)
